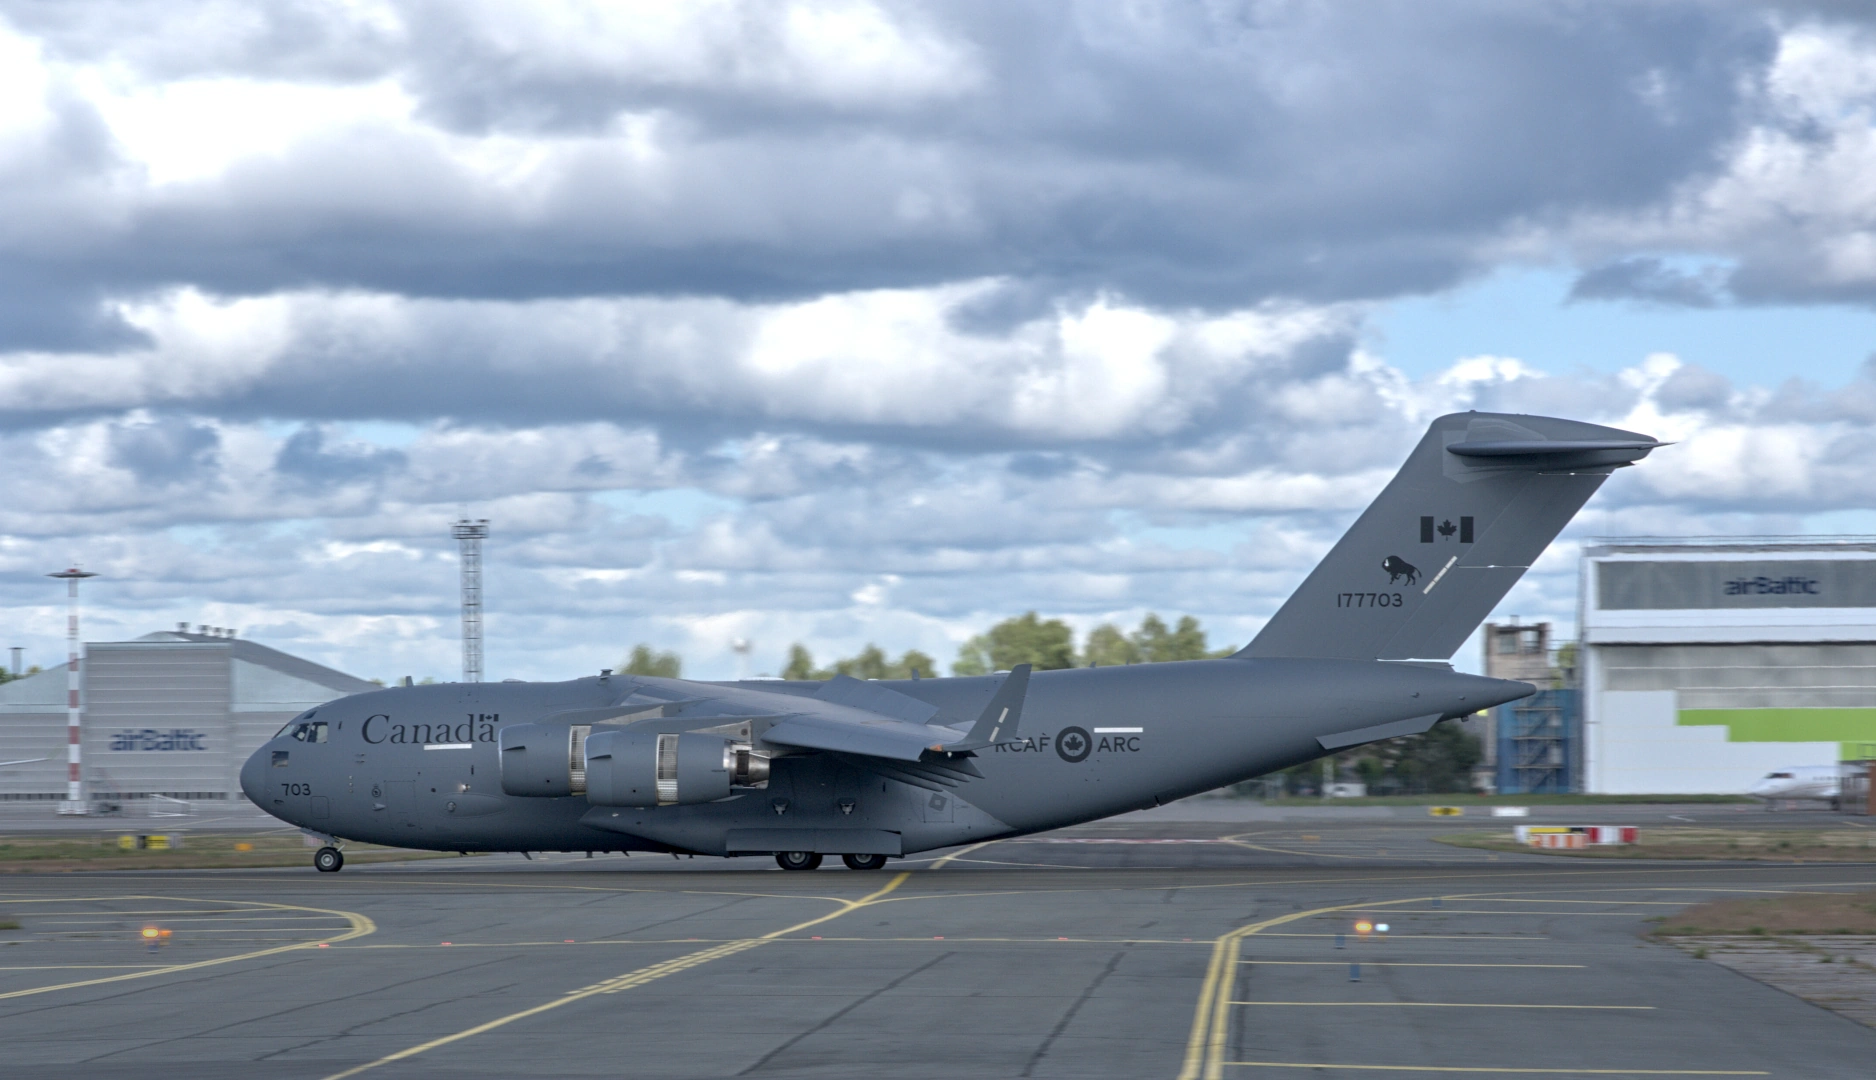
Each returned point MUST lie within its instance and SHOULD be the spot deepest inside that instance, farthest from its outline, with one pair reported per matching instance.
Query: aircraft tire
(864, 862)
(798, 860)
(328, 860)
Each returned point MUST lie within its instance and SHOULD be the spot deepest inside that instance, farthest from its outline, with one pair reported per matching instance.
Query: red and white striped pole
(74, 709)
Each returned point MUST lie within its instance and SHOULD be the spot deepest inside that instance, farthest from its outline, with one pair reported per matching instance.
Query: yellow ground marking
(1237, 840)
(360, 926)
(79, 967)
(173, 912)
(1205, 1046)
(1468, 911)
(1488, 899)
(1396, 963)
(631, 979)
(1418, 937)
(925, 939)
(1494, 1071)
(119, 916)
(943, 859)
(1443, 1005)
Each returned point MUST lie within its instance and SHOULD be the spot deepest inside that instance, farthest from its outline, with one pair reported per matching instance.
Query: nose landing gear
(328, 860)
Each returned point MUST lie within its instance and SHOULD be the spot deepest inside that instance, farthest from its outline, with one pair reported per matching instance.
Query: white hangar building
(1708, 663)
(172, 714)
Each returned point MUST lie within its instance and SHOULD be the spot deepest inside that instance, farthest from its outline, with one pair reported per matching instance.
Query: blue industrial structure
(1539, 743)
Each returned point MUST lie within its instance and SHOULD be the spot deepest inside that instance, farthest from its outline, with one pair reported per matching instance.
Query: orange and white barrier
(1544, 835)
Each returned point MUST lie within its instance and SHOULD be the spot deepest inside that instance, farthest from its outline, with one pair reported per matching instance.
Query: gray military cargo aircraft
(871, 770)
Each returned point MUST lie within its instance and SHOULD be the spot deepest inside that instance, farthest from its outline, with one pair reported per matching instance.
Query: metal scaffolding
(469, 536)
(1535, 740)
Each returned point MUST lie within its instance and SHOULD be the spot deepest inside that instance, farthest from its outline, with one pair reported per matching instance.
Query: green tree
(871, 663)
(644, 661)
(1158, 644)
(800, 664)
(8, 676)
(1026, 639)
(1152, 643)
(1108, 647)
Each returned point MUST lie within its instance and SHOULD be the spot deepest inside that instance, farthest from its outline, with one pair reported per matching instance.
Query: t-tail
(1478, 501)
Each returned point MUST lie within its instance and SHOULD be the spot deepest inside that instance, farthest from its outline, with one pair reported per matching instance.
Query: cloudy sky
(838, 322)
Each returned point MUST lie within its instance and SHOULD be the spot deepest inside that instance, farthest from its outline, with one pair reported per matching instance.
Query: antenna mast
(469, 536)
(74, 709)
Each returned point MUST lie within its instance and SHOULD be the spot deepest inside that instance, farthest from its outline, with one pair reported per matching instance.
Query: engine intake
(544, 760)
(643, 768)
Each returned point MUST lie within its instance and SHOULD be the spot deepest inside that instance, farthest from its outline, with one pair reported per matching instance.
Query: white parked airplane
(1824, 782)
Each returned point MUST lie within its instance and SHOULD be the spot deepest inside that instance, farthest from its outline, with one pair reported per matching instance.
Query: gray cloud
(1649, 279)
(305, 459)
(164, 450)
(1209, 155)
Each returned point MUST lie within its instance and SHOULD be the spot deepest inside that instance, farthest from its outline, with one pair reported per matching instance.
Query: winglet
(1000, 718)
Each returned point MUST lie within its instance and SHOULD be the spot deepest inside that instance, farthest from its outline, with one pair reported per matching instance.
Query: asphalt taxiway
(1148, 947)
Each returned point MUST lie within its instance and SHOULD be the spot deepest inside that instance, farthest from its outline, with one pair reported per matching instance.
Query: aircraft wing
(848, 716)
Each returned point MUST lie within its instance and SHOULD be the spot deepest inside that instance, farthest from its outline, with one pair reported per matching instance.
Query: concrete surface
(1135, 948)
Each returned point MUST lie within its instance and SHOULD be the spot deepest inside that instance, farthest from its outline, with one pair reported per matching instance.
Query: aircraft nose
(254, 775)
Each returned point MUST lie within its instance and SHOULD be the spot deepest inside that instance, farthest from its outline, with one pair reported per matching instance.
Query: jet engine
(644, 768)
(544, 760)
(623, 767)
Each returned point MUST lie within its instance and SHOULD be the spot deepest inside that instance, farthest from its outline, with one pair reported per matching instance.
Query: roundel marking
(1074, 744)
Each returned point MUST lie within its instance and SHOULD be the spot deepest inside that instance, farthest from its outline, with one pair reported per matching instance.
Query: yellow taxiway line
(1440, 1005)
(630, 979)
(1488, 1070)
(1205, 1046)
(360, 926)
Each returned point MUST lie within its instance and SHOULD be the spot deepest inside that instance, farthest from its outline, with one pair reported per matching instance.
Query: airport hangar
(1706, 663)
(172, 714)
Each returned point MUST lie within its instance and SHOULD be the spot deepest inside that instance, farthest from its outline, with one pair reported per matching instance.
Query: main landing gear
(328, 860)
(811, 860)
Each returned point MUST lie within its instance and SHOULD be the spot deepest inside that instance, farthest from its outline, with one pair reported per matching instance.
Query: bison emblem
(1398, 568)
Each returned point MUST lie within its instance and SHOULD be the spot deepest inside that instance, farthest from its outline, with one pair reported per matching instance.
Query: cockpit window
(287, 728)
(1778, 776)
(314, 732)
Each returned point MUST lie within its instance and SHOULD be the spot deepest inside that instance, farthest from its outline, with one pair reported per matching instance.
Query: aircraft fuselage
(419, 767)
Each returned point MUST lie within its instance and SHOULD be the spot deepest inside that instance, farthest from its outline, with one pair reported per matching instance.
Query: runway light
(1380, 928)
(1363, 926)
(149, 932)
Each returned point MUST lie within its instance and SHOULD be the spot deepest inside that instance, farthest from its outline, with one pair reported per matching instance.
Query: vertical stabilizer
(1480, 498)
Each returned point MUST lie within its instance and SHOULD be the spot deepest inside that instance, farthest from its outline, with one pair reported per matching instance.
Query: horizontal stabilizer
(1395, 730)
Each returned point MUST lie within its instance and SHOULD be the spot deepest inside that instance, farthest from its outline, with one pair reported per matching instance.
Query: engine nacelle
(544, 760)
(644, 768)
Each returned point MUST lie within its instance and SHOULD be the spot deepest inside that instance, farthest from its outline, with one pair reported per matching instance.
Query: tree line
(1046, 644)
